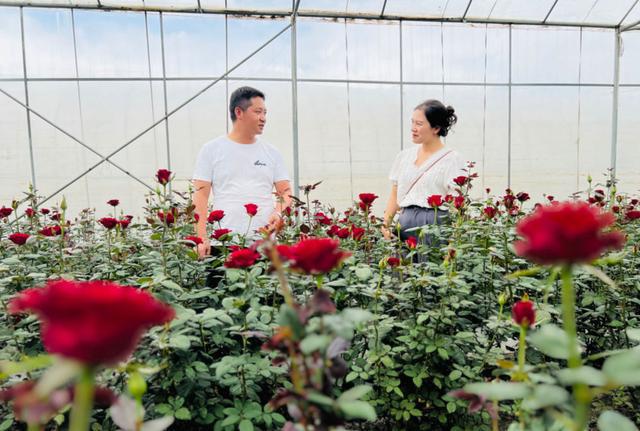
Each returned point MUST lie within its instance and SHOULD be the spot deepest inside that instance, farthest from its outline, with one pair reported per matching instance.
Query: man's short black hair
(241, 98)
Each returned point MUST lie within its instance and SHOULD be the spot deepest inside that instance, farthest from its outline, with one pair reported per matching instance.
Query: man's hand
(386, 233)
(204, 249)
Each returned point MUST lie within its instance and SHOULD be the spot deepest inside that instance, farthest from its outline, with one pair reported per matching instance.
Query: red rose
(167, 218)
(343, 233)
(333, 230)
(566, 233)
(448, 199)
(219, 233)
(315, 255)
(242, 258)
(523, 312)
(634, 202)
(55, 216)
(29, 212)
(252, 209)
(615, 209)
(5, 212)
(490, 212)
(50, 230)
(113, 202)
(322, 219)
(508, 201)
(44, 211)
(195, 239)
(357, 233)
(523, 196)
(412, 242)
(108, 222)
(633, 215)
(215, 215)
(95, 322)
(19, 238)
(458, 202)
(366, 200)
(124, 223)
(163, 176)
(434, 201)
(550, 198)
(461, 180)
(393, 261)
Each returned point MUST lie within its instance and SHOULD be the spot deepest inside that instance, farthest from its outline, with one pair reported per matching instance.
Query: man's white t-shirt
(241, 174)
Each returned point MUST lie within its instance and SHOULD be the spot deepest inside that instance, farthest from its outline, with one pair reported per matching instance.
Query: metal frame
(293, 15)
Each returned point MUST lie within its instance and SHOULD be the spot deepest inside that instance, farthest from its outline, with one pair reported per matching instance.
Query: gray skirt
(416, 216)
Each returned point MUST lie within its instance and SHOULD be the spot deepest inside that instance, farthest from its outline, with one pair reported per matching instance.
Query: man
(240, 168)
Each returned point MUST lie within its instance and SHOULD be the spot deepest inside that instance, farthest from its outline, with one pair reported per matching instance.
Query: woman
(423, 170)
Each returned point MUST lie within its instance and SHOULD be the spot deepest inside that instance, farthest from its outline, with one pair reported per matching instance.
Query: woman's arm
(390, 211)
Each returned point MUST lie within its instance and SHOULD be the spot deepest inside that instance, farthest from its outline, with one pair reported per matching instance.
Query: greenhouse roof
(589, 13)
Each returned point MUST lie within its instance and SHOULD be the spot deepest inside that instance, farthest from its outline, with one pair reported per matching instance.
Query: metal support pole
(164, 91)
(402, 120)
(509, 119)
(614, 110)
(26, 98)
(294, 100)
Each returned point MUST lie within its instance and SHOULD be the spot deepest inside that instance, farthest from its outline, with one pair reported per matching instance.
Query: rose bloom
(18, 238)
(434, 201)
(44, 211)
(393, 261)
(412, 242)
(168, 218)
(343, 233)
(458, 202)
(29, 212)
(357, 233)
(50, 230)
(448, 199)
(252, 209)
(215, 215)
(523, 312)
(108, 222)
(242, 258)
(508, 201)
(523, 196)
(366, 200)
(5, 212)
(633, 215)
(314, 255)
(195, 239)
(333, 230)
(322, 219)
(461, 180)
(94, 322)
(565, 233)
(489, 212)
(219, 233)
(163, 176)
(124, 223)
(113, 202)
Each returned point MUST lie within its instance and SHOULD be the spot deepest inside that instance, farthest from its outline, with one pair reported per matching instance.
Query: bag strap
(425, 171)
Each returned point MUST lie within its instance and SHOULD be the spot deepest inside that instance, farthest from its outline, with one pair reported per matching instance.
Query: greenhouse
(319, 215)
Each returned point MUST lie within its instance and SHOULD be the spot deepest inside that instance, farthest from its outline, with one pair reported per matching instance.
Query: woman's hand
(386, 233)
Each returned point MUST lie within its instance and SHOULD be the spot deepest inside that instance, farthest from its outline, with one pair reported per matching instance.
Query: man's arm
(201, 202)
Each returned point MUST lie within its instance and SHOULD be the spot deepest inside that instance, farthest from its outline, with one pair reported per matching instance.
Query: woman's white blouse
(438, 179)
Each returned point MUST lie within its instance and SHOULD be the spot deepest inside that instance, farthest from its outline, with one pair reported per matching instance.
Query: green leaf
(587, 375)
(230, 420)
(318, 398)
(357, 315)
(288, 317)
(183, 413)
(545, 396)
(363, 273)
(181, 342)
(455, 375)
(6, 424)
(171, 285)
(614, 421)
(355, 393)
(499, 390)
(633, 334)
(451, 407)
(245, 425)
(624, 368)
(314, 342)
(357, 410)
(552, 341)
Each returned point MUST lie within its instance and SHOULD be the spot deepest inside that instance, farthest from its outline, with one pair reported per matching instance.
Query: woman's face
(421, 130)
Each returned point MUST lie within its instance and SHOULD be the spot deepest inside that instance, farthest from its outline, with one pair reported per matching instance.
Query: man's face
(254, 118)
